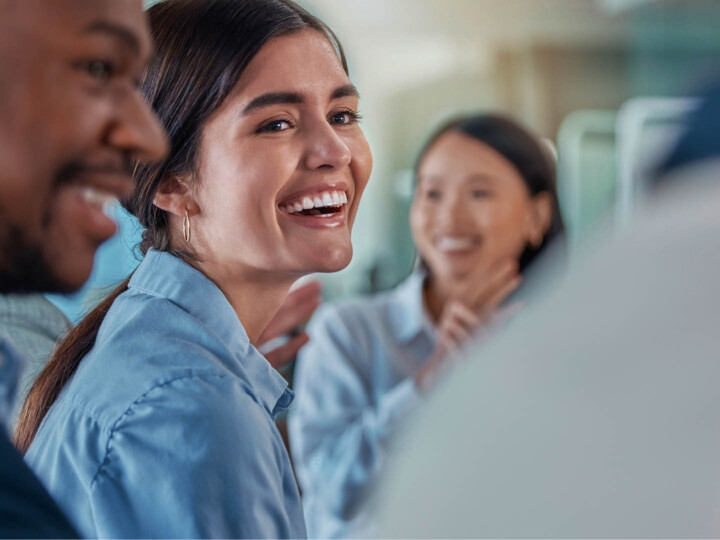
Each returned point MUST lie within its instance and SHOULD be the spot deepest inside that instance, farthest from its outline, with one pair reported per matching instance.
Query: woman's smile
(322, 206)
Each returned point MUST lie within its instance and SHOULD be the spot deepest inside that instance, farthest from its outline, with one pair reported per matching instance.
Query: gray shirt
(33, 325)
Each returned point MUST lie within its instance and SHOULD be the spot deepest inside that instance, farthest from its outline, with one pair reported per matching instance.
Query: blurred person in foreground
(485, 208)
(597, 414)
(71, 117)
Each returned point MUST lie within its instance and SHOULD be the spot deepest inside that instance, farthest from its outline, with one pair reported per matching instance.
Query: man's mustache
(75, 169)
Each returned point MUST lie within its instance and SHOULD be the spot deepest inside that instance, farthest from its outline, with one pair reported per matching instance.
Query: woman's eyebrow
(293, 98)
(478, 178)
(272, 98)
(348, 90)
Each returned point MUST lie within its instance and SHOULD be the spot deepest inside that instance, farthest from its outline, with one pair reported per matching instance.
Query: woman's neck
(436, 292)
(255, 296)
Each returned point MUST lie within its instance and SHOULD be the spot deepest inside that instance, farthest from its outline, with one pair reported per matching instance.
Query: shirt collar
(165, 275)
(407, 310)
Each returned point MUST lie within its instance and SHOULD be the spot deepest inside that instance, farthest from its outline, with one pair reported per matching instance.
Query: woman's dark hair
(525, 152)
(201, 50)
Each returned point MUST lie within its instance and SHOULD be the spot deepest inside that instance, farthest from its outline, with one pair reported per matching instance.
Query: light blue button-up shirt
(355, 386)
(167, 427)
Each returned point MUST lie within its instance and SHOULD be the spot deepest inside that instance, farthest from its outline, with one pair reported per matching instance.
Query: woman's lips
(334, 216)
(456, 244)
(322, 202)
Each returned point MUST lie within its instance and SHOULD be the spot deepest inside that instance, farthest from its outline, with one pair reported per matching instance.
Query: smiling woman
(155, 416)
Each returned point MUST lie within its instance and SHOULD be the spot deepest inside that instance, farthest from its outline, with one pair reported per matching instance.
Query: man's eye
(480, 194)
(274, 126)
(101, 70)
(434, 195)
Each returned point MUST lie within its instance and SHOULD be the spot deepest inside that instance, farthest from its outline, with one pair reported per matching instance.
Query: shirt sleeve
(193, 458)
(339, 432)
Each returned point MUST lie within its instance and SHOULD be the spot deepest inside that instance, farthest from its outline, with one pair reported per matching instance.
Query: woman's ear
(174, 196)
(541, 214)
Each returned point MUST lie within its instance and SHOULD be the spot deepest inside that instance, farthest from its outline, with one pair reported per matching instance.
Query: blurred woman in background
(485, 207)
(155, 416)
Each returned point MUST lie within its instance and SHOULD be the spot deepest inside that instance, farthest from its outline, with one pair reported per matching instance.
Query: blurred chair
(587, 171)
(647, 127)
(607, 158)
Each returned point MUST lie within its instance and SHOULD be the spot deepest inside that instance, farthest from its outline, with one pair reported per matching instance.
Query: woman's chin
(333, 260)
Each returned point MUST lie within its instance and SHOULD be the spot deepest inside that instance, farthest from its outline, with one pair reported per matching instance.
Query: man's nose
(137, 131)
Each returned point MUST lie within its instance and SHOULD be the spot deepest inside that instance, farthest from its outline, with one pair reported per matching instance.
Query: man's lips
(106, 182)
(92, 192)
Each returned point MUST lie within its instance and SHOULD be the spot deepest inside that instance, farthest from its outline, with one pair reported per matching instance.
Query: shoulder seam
(114, 427)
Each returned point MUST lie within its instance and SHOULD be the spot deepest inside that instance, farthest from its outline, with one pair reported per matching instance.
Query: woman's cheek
(362, 160)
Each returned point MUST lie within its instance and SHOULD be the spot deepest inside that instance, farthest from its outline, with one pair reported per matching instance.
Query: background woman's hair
(525, 152)
(201, 50)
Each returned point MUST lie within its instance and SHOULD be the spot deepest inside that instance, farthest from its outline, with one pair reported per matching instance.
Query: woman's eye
(275, 126)
(480, 193)
(101, 70)
(434, 195)
(344, 117)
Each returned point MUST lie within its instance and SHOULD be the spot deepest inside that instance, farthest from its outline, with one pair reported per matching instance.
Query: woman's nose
(326, 149)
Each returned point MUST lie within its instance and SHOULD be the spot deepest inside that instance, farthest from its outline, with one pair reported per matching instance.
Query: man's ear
(174, 196)
(541, 218)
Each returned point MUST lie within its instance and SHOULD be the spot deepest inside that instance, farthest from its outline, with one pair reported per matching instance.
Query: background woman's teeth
(327, 199)
(307, 203)
(317, 201)
(298, 207)
(455, 243)
(344, 197)
(336, 198)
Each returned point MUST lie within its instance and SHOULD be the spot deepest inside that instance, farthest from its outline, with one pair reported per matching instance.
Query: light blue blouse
(167, 428)
(355, 386)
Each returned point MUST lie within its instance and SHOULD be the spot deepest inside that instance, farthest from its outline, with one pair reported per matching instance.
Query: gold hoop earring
(186, 227)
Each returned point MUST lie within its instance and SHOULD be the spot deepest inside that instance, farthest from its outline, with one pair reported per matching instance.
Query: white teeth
(455, 243)
(96, 197)
(321, 200)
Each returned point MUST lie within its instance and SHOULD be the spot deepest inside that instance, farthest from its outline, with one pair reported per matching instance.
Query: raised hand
(473, 306)
(296, 310)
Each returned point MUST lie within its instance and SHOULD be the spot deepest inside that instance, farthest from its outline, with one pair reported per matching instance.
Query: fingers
(284, 354)
(310, 289)
(457, 324)
(298, 307)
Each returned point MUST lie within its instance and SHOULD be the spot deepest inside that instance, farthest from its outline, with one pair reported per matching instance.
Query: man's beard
(23, 265)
